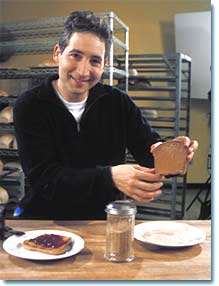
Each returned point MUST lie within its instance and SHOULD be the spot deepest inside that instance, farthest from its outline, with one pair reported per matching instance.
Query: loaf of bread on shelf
(3, 93)
(6, 115)
(170, 158)
(48, 63)
(3, 196)
(49, 243)
(1, 166)
(8, 141)
(14, 144)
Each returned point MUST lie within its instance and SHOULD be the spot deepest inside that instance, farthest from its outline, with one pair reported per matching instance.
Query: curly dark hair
(86, 21)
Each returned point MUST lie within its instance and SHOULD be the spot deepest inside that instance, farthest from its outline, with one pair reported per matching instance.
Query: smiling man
(81, 65)
(73, 132)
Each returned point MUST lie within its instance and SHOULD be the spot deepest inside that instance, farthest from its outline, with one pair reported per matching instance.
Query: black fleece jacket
(69, 171)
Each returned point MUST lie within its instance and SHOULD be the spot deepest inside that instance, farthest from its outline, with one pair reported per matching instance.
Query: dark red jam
(49, 240)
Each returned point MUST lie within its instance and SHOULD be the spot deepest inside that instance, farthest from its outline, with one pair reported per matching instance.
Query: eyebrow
(75, 50)
(80, 52)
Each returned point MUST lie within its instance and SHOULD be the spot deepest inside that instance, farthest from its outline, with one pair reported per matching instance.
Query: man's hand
(191, 144)
(137, 182)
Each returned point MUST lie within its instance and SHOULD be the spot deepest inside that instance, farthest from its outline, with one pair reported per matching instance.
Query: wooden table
(191, 263)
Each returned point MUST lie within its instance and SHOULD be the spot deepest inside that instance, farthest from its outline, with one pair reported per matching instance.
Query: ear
(56, 53)
(106, 62)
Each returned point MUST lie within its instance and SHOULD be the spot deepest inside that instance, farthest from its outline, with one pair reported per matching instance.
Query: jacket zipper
(85, 113)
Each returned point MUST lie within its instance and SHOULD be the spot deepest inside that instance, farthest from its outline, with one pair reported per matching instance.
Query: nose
(83, 68)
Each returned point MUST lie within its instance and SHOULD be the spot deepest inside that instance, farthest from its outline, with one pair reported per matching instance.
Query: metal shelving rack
(162, 90)
(39, 36)
(120, 44)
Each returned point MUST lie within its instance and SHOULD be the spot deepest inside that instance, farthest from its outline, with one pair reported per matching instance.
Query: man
(73, 131)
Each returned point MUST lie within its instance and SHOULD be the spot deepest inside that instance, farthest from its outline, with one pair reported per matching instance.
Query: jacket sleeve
(47, 176)
(140, 135)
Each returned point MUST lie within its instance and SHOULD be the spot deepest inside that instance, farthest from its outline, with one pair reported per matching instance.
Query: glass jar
(120, 231)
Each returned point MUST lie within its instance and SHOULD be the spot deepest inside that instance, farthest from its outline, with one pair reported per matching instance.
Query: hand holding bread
(172, 157)
(140, 183)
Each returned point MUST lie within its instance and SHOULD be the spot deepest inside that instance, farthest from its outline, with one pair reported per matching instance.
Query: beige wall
(151, 26)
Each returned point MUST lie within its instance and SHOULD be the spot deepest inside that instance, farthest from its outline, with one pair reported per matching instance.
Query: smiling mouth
(81, 81)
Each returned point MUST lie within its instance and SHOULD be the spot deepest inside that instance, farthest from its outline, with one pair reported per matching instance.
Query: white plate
(13, 245)
(169, 234)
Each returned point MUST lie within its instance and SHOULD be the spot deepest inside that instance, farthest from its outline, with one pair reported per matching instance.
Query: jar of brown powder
(120, 231)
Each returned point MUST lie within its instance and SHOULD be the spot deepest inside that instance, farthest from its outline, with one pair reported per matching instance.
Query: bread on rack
(3, 93)
(1, 166)
(6, 115)
(48, 63)
(14, 144)
(170, 158)
(3, 196)
(8, 141)
(49, 243)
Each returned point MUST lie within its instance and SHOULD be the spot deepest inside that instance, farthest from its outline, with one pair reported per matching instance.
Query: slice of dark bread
(170, 158)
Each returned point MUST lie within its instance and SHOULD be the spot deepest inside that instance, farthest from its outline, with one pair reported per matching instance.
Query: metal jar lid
(121, 207)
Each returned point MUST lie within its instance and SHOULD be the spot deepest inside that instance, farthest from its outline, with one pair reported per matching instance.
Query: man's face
(81, 65)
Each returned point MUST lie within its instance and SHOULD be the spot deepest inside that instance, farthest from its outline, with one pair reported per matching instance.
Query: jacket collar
(47, 91)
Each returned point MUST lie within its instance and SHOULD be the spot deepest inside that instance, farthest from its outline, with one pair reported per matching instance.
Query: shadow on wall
(167, 34)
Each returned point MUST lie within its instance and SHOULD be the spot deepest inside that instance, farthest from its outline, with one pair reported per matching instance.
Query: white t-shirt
(75, 108)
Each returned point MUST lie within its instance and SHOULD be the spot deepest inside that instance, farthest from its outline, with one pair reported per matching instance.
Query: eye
(76, 56)
(96, 61)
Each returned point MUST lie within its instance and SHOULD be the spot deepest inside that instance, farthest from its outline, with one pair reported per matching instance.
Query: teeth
(82, 81)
